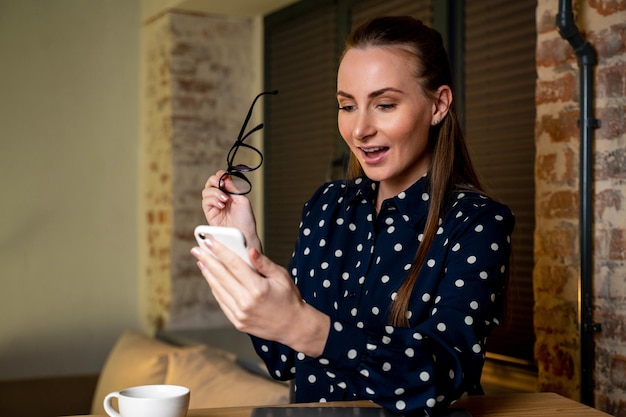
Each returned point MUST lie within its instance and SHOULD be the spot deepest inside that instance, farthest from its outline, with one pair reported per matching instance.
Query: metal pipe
(587, 123)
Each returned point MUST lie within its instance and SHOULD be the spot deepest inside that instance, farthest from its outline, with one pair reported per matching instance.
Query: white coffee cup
(149, 401)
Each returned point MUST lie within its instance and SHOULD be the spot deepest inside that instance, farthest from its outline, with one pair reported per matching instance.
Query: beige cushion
(134, 360)
(216, 380)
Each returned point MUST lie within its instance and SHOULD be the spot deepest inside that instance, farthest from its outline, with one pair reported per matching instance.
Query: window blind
(301, 121)
(499, 120)
(363, 10)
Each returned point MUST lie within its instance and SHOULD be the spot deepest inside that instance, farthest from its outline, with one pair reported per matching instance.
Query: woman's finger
(223, 298)
(214, 180)
(239, 270)
(222, 282)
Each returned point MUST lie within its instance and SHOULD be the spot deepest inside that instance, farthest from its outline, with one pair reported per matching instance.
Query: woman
(398, 274)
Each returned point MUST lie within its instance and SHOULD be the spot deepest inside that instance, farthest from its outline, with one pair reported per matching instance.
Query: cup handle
(108, 404)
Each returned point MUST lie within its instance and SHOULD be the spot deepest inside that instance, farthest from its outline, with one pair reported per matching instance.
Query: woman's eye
(385, 106)
(347, 108)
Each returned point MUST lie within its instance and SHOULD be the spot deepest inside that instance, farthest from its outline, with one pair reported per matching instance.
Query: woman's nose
(363, 127)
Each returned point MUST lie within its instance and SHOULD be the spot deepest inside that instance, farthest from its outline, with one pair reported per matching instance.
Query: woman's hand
(223, 209)
(265, 302)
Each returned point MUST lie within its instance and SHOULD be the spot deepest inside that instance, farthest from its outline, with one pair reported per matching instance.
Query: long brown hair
(451, 167)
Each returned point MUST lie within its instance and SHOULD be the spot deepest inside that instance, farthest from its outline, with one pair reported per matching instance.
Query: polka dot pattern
(349, 263)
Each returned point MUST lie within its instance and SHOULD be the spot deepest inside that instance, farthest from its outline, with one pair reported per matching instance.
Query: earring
(435, 122)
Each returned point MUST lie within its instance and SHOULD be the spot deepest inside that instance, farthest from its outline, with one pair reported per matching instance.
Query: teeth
(371, 149)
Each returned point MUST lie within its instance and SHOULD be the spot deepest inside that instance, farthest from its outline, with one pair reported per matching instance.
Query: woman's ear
(441, 104)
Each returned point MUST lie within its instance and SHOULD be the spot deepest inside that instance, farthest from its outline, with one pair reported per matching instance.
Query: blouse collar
(412, 203)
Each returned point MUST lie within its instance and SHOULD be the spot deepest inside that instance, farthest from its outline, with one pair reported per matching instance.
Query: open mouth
(374, 154)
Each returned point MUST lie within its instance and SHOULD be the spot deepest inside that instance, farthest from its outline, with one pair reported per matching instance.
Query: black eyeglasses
(243, 157)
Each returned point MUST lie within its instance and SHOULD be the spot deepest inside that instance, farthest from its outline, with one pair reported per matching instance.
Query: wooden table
(542, 404)
(535, 404)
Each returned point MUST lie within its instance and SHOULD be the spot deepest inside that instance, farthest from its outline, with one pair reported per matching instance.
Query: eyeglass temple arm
(257, 127)
(245, 123)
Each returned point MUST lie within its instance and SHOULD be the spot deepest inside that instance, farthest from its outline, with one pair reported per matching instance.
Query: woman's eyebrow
(383, 91)
(373, 94)
(344, 94)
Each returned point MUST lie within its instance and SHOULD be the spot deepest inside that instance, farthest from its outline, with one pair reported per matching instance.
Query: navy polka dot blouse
(349, 263)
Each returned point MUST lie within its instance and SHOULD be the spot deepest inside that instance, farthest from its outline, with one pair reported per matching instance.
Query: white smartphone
(229, 236)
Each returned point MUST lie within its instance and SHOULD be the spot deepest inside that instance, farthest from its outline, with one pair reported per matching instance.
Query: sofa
(217, 377)
(218, 365)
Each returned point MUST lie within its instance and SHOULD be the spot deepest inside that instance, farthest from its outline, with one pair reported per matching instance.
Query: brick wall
(603, 24)
(198, 83)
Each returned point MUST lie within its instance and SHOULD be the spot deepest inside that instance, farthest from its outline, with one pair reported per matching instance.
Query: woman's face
(384, 116)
